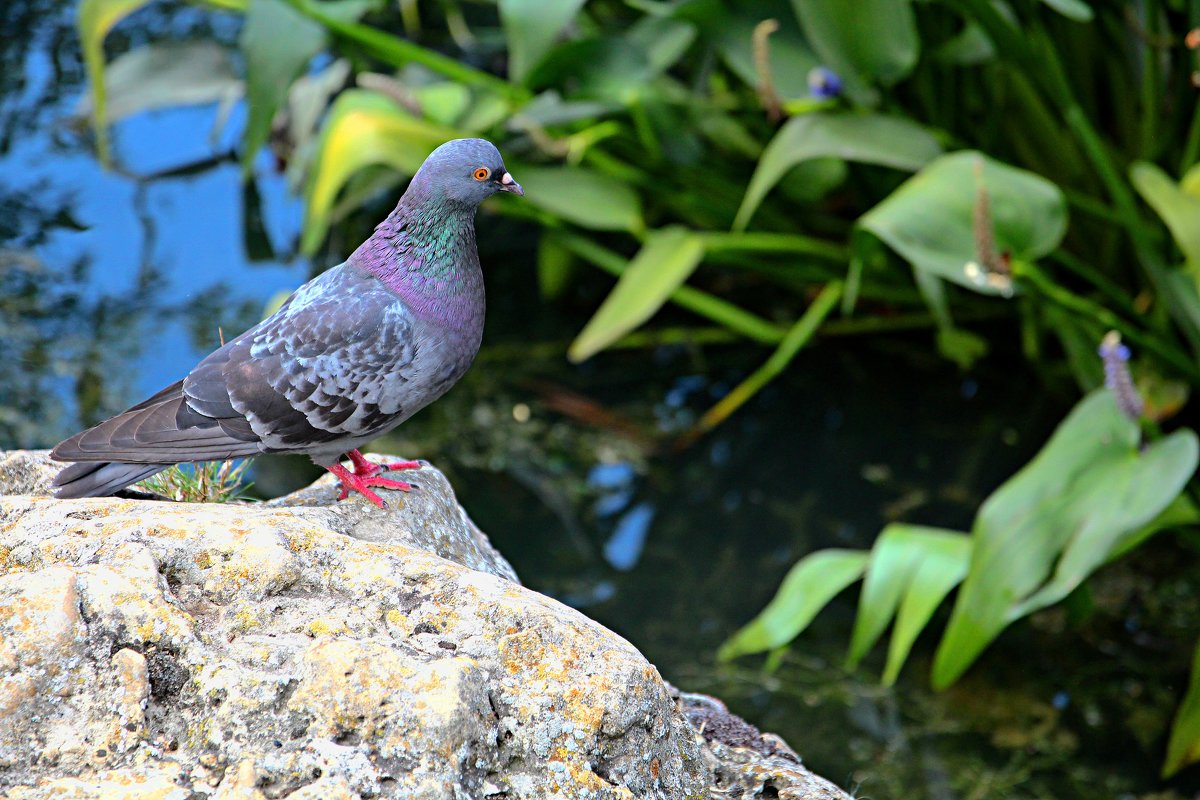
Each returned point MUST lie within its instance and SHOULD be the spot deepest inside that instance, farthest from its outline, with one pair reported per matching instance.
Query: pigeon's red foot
(361, 481)
(364, 468)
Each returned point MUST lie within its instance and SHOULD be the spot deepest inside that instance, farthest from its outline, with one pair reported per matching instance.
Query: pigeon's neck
(425, 253)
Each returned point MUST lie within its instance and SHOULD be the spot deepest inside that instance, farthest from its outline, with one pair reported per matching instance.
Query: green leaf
(897, 555)
(1163, 470)
(808, 587)
(665, 261)
(1072, 9)
(944, 564)
(1183, 748)
(363, 128)
(867, 138)
(94, 20)
(166, 75)
(1177, 208)
(581, 196)
(277, 42)
(929, 219)
(530, 27)
(872, 39)
(1090, 488)
(555, 265)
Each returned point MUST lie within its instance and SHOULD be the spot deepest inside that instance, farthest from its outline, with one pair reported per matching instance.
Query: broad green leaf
(867, 138)
(665, 261)
(1089, 488)
(929, 220)
(581, 196)
(94, 20)
(277, 43)
(363, 128)
(1165, 468)
(808, 587)
(1183, 748)
(875, 39)
(1177, 208)
(1072, 9)
(167, 75)
(530, 27)
(898, 553)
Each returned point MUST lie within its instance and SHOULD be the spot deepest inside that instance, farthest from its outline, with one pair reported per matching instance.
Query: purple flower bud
(1116, 375)
(824, 83)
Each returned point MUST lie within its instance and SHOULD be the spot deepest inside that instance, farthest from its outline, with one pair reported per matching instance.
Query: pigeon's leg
(367, 469)
(361, 483)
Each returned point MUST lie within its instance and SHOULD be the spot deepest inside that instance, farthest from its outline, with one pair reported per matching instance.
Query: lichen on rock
(305, 649)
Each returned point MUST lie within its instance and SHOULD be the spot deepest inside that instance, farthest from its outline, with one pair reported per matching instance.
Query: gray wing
(329, 365)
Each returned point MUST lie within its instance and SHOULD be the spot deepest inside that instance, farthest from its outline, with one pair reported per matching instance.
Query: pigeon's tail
(146, 439)
(100, 478)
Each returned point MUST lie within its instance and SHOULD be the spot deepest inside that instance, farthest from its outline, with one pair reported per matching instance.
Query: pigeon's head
(466, 171)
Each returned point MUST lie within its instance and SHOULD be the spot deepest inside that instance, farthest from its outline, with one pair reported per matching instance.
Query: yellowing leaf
(94, 20)
(665, 261)
(363, 128)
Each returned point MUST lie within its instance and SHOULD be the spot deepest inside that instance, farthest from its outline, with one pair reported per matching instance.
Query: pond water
(116, 282)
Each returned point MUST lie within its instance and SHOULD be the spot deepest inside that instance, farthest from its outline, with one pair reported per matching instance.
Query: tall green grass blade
(808, 587)
(665, 261)
(797, 336)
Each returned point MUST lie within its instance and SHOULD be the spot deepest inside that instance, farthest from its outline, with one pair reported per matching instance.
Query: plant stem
(1081, 305)
(797, 336)
(760, 242)
(723, 313)
(398, 52)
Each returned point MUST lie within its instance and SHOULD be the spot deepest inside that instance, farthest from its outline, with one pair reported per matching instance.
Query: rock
(306, 650)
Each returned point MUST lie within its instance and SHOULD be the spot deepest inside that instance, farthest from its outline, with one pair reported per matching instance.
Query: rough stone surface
(312, 651)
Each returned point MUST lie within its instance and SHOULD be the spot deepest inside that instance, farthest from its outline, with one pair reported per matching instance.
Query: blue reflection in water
(624, 547)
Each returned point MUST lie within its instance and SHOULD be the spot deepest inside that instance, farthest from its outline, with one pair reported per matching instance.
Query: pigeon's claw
(367, 469)
(355, 482)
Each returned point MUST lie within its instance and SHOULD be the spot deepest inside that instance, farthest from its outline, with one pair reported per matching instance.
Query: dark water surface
(112, 284)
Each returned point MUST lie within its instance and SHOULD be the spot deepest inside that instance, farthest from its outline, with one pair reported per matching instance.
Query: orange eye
(482, 174)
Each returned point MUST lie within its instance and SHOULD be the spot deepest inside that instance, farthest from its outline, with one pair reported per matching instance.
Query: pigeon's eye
(482, 173)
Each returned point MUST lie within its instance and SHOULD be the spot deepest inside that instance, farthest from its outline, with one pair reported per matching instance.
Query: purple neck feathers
(425, 252)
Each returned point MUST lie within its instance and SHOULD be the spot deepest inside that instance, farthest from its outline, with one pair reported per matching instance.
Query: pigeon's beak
(507, 184)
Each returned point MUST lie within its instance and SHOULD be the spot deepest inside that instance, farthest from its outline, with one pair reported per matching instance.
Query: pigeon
(348, 356)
